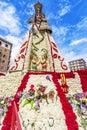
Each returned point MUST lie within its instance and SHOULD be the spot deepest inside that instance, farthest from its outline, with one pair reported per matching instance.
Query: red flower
(7, 119)
(70, 117)
(83, 79)
(54, 56)
(42, 89)
(51, 94)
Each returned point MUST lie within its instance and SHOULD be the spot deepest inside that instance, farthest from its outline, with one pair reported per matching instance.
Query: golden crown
(38, 6)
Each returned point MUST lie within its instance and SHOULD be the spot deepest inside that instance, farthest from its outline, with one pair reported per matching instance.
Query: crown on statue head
(38, 7)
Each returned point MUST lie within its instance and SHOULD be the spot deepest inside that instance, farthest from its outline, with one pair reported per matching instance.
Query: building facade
(77, 64)
(5, 53)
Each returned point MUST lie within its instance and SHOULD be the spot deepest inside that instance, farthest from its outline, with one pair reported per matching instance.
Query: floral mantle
(5, 103)
(77, 115)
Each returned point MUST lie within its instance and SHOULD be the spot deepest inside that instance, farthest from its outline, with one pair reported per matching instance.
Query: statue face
(38, 9)
(38, 18)
(34, 58)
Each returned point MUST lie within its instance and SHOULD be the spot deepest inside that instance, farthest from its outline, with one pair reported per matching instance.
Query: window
(5, 50)
(0, 53)
(6, 45)
(3, 61)
(4, 55)
(0, 43)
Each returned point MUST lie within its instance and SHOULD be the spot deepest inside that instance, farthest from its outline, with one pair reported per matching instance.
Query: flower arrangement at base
(5, 103)
(36, 95)
(79, 105)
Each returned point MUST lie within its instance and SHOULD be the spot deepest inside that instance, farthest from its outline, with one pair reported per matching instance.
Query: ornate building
(39, 92)
(5, 53)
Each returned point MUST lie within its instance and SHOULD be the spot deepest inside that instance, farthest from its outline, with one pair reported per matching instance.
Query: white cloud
(82, 24)
(29, 10)
(64, 10)
(2, 4)
(71, 55)
(59, 30)
(76, 56)
(17, 42)
(14, 53)
(64, 7)
(59, 34)
(76, 42)
(9, 21)
(67, 53)
(13, 39)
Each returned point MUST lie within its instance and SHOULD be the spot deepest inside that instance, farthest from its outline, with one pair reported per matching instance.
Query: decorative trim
(83, 79)
(51, 52)
(56, 55)
(2, 74)
(67, 108)
(22, 55)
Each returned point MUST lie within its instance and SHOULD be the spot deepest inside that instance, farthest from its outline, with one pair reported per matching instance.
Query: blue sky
(68, 19)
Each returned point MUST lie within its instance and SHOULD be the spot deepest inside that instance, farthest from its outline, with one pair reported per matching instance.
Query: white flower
(2, 102)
